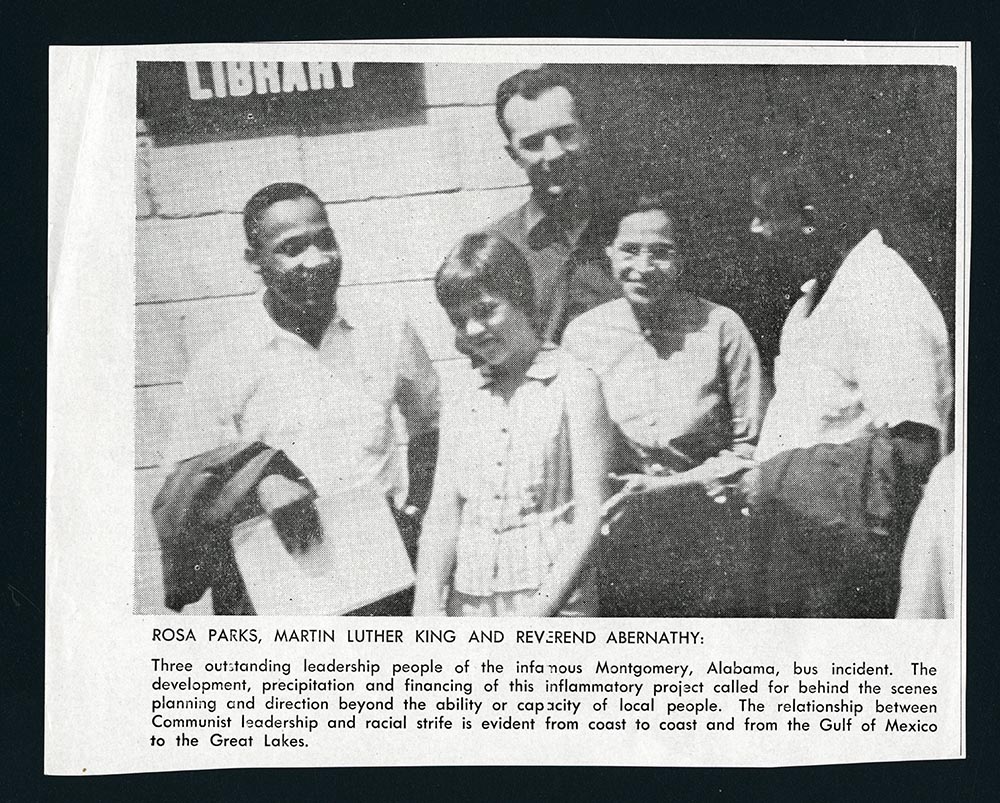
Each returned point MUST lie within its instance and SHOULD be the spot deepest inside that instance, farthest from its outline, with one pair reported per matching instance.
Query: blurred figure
(517, 497)
(861, 409)
(682, 381)
(927, 584)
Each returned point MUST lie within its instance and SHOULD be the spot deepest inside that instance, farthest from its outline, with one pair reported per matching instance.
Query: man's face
(774, 219)
(644, 257)
(298, 258)
(547, 141)
(491, 330)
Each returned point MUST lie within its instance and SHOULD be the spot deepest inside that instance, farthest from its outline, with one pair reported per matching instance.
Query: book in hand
(358, 559)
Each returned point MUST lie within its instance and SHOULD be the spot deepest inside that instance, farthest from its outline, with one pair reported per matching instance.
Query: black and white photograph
(507, 403)
(546, 339)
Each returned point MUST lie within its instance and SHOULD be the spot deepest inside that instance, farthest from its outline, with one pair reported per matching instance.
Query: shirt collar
(854, 258)
(265, 331)
(545, 365)
(542, 230)
(870, 242)
(672, 314)
(543, 368)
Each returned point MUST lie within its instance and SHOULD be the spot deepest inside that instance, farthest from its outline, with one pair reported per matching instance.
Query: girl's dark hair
(489, 262)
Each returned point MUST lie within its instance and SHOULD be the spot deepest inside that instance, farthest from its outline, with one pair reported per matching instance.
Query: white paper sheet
(359, 560)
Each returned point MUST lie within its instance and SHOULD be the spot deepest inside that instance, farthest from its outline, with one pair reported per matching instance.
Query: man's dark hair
(529, 84)
(266, 198)
(789, 185)
(485, 262)
(834, 196)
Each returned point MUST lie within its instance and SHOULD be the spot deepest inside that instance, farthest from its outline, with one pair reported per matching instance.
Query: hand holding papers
(359, 559)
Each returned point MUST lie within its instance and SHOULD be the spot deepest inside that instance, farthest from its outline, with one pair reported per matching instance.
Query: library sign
(212, 101)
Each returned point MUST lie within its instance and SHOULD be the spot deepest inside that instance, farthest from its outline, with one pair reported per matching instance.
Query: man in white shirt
(860, 413)
(314, 378)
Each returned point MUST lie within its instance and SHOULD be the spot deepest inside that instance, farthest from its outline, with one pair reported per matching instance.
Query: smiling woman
(644, 255)
(682, 381)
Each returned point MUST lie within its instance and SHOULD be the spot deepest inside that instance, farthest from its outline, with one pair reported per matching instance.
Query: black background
(31, 28)
(884, 135)
(382, 95)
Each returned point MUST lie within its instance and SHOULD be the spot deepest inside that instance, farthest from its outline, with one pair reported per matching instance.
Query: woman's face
(493, 329)
(644, 257)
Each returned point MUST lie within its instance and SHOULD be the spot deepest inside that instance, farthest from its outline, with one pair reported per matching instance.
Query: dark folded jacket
(832, 519)
(195, 512)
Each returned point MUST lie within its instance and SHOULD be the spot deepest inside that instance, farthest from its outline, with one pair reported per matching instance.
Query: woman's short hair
(485, 262)
(669, 202)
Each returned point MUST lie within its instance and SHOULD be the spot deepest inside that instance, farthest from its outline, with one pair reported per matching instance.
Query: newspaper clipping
(368, 359)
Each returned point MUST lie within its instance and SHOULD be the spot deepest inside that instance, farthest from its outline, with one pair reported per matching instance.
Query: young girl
(522, 468)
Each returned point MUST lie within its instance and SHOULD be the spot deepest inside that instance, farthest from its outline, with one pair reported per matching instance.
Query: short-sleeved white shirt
(328, 408)
(874, 351)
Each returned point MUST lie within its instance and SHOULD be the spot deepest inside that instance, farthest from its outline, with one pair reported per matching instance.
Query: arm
(903, 369)
(747, 395)
(421, 460)
(436, 556)
(214, 392)
(716, 475)
(418, 398)
(590, 448)
(744, 384)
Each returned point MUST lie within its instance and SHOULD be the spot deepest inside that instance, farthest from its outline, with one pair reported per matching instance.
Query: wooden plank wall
(397, 199)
